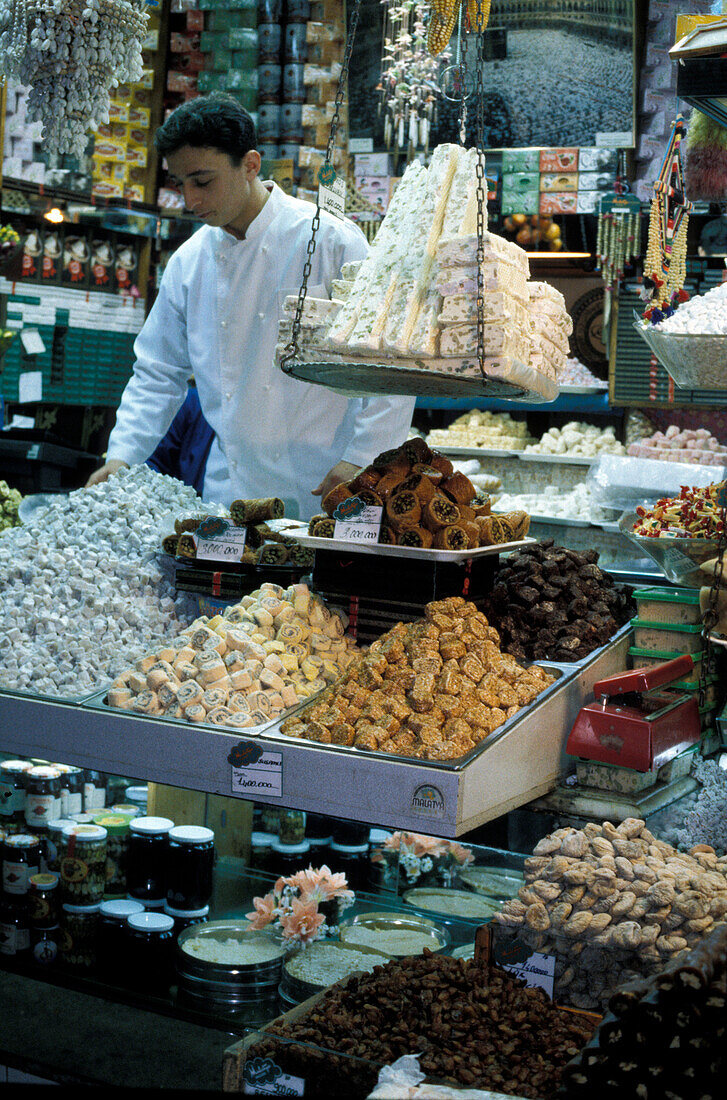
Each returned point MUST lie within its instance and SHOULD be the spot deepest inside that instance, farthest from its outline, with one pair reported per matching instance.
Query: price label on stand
(537, 970)
(331, 191)
(357, 522)
(217, 540)
(263, 776)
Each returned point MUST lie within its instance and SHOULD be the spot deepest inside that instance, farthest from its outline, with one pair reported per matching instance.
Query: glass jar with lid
(20, 860)
(12, 792)
(94, 791)
(42, 796)
(78, 938)
(147, 863)
(353, 861)
(184, 918)
(83, 864)
(43, 901)
(112, 940)
(14, 930)
(286, 859)
(292, 826)
(150, 940)
(117, 851)
(190, 860)
(50, 855)
(71, 789)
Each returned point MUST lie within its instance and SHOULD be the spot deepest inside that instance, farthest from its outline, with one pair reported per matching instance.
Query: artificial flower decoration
(423, 857)
(295, 903)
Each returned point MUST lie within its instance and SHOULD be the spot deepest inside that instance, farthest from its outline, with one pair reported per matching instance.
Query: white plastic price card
(331, 191)
(364, 526)
(262, 776)
(537, 970)
(217, 540)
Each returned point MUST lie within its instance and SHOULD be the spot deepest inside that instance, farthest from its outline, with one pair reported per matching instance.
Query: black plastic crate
(35, 466)
(402, 580)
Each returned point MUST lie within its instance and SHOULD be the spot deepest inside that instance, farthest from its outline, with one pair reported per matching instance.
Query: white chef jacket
(216, 317)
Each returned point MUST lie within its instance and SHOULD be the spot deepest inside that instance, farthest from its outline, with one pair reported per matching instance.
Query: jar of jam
(79, 928)
(83, 864)
(14, 931)
(260, 849)
(20, 860)
(44, 945)
(42, 796)
(94, 791)
(112, 940)
(43, 902)
(183, 918)
(12, 791)
(83, 818)
(50, 855)
(71, 789)
(146, 869)
(286, 859)
(150, 940)
(126, 809)
(353, 861)
(292, 826)
(190, 860)
(117, 850)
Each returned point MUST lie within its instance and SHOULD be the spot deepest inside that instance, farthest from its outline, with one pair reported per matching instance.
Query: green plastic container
(668, 605)
(677, 637)
(645, 658)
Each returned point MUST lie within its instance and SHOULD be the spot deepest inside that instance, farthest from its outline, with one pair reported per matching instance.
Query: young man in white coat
(216, 317)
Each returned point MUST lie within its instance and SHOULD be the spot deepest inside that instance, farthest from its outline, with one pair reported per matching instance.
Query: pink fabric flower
(460, 853)
(422, 845)
(302, 922)
(332, 886)
(264, 911)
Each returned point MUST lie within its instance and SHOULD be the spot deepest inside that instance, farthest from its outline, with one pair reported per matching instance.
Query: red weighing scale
(633, 724)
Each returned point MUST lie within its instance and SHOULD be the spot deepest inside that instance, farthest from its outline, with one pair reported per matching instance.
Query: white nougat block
(424, 338)
(498, 306)
(460, 218)
(461, 340)
(316, 311)
(460, 251)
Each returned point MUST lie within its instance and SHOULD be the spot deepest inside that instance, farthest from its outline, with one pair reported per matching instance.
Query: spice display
(82, 595)
(9, 498)
(697, 446)
(551, 602)
(478, 428)
(482, 1028)
(432, 689)
(83, 864)
(694, 514)
(426, 503)
(244, 667)
(667, 1028)
(613, 902)
(577, 438)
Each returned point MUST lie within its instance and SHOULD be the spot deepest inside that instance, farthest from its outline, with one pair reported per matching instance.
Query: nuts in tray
(243, 667)
(426, 504)
(552, 603)
(613, 903)
(431, 689)
(470, 1025)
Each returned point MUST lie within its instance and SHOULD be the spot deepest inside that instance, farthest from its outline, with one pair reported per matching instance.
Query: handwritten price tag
(218, 540)
(363, 527)
(332, 193)
(263, 777)
(537, 970)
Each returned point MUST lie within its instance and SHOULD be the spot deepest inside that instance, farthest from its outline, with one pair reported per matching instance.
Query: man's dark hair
(215, 121)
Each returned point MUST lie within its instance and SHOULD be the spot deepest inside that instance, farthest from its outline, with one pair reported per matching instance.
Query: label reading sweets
(264, 777)
(217, 540)
(356, 521)
(262, 1077)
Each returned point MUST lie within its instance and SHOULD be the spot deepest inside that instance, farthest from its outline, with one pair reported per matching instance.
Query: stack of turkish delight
(551, 328)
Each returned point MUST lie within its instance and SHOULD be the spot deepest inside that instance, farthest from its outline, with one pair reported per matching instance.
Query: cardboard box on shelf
(520, 202)
(107, 189)
(559, 181)
(112, 131)
(140, 117)
(558, 202)
(558, 160)
(595, 181)
(182, 82)
(118, 110)
(588, 202)
(371, 164)
(324, 32)
(520, 160)
(107, 149)
(136, 155)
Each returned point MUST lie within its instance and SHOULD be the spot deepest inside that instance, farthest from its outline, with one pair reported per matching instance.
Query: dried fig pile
(469, 1026)
(554, 603)
(613, 903)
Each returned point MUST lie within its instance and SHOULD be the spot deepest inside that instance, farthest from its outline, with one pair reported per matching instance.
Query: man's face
(214, 190)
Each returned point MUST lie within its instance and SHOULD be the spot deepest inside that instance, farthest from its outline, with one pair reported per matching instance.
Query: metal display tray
(520, 762)
(388, 551)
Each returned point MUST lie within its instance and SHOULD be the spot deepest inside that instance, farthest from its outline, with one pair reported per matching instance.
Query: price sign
(262, 1077)
(331, 191)
(357, 522)
(678, 563)
(263, 776)
(537, 970)
(218, 540)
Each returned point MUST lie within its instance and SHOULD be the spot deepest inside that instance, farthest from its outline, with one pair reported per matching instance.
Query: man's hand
(106, 471)
(342, 471)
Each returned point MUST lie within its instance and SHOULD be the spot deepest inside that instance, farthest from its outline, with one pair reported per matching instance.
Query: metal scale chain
(291, 350)
(481, 194)
(711, 615)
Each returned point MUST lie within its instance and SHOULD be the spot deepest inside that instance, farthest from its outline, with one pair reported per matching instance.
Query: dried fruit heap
(432, 689)
(469, 1025)
(554, 603)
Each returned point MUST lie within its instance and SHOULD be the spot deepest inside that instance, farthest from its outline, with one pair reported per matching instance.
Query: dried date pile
(613, 903)
(551, 602)
(470, 1025)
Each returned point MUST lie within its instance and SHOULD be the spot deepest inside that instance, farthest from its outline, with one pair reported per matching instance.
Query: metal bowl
(678, 559)
(693, 361)
(459, 904)
(228, 983)
(297, 989)
(498, 883)
(433, 935)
